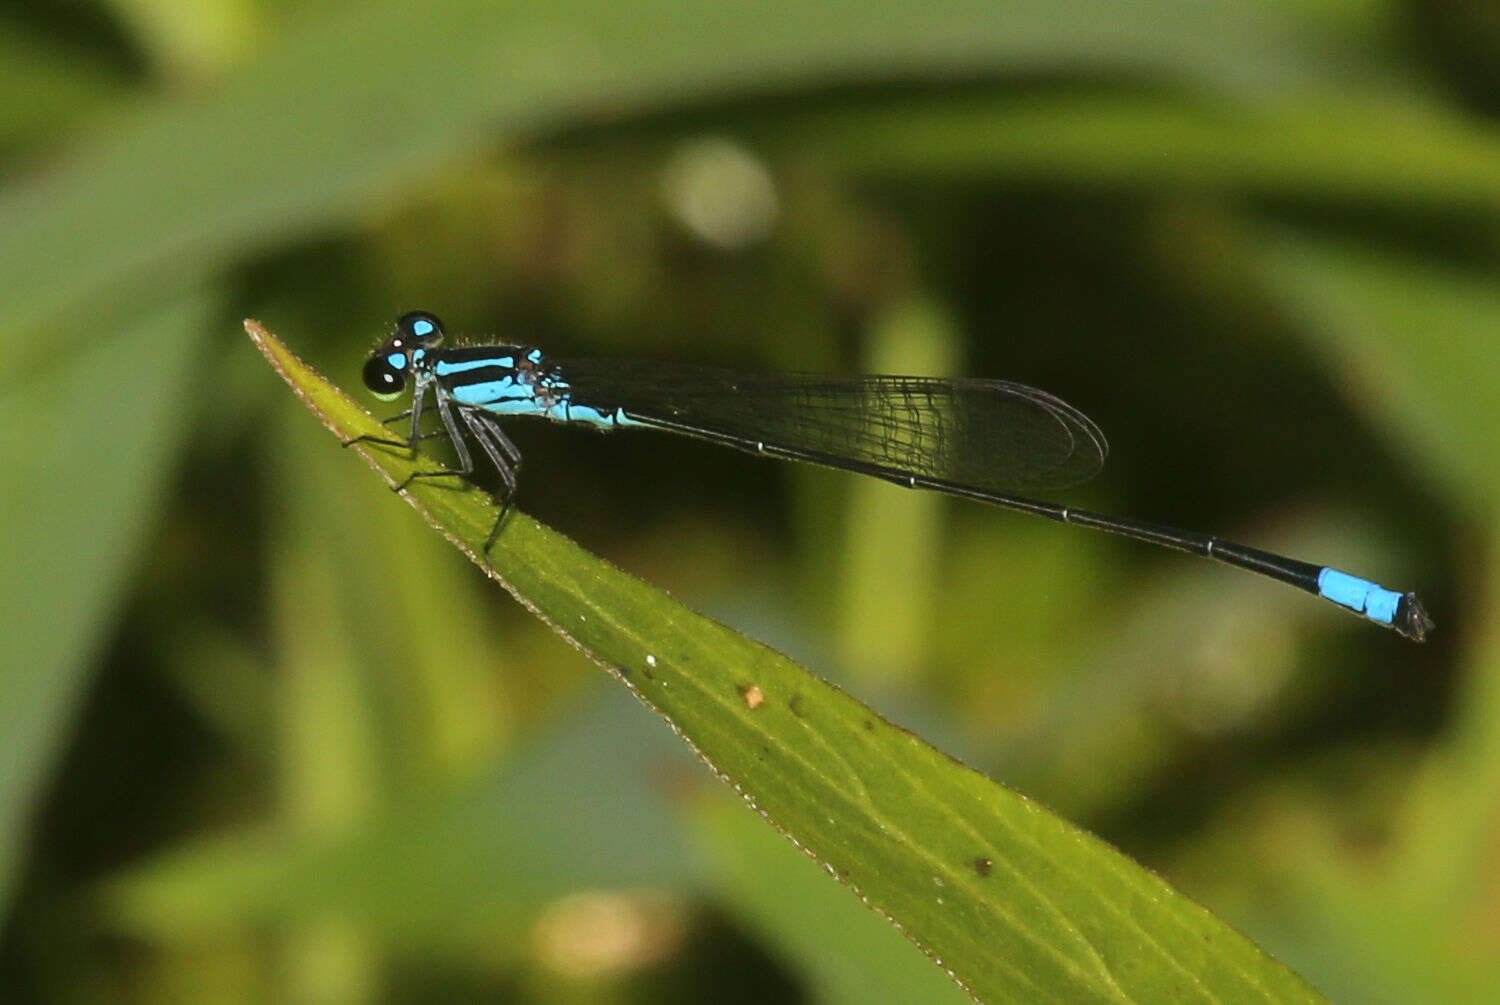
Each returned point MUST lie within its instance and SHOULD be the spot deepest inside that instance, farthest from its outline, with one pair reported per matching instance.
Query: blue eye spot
(534, 355)
(397, 360)
(422, 326)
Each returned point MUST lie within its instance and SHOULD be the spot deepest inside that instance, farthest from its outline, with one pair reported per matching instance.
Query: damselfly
(978, 439)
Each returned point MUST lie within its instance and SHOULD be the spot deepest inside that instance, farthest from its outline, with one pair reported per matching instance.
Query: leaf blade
(77, 505)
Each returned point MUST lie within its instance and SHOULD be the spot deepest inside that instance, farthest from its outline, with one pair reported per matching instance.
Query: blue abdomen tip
(1359, 595)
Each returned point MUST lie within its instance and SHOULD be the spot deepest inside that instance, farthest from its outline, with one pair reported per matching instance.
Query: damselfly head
(385, 371)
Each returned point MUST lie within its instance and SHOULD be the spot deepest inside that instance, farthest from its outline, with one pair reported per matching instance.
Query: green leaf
(581, 809)
(1408, 154)
(86, 456)
(1413, 338)
(1012, 901)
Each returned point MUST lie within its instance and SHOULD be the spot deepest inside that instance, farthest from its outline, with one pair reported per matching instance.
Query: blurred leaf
(455, 867)
(433, 702)
(891, 554)
(288, 144)
(1013, 901)
(845, 952)
(86, 457)
(331, 772)
(1349, 147)
(1415, 342)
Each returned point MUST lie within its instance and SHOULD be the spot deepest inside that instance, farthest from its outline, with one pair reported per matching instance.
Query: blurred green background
(265, 736)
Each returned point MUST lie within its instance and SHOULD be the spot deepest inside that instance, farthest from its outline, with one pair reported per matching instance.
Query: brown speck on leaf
(753, 696)
(983, 866)
(796, 705)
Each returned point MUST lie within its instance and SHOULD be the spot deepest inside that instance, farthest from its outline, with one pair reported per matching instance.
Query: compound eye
(383, 377)
(421, 327)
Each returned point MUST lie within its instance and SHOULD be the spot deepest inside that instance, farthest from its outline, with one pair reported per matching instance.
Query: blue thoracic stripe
(445, 368)
(503, 394)
(1360, 595)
